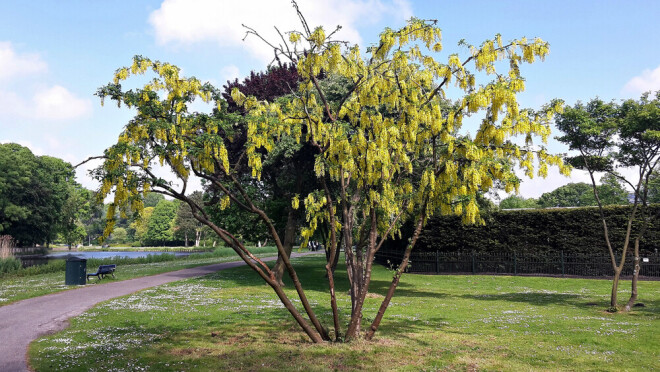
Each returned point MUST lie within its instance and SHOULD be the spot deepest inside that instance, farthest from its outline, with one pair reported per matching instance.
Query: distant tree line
(41, 203)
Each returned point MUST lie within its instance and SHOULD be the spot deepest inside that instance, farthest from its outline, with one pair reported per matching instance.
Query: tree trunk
(287, 244)
(335, 261)
(635, 277)
(397, 277)
(186, 239)
(615, 288)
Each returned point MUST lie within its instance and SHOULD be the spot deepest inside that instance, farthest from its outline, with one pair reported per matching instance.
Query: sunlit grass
(232, 321)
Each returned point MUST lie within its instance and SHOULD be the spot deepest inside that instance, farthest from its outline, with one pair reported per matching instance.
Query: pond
(43, 259)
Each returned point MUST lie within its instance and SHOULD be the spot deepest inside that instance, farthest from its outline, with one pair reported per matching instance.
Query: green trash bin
(76, 271)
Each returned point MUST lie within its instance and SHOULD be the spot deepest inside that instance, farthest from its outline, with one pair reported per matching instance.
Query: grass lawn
(232, 321)
(16, 288)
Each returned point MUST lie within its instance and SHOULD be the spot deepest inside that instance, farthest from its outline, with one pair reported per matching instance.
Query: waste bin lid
(76, 259)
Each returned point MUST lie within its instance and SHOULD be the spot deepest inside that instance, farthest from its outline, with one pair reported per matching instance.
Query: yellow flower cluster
(395, 121)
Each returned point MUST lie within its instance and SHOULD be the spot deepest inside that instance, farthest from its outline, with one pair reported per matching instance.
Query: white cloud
(649, 80)
(57, 103)
(190, 21)
(13, 64)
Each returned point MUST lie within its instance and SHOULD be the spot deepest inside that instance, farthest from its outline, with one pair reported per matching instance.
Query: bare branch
(89, 159)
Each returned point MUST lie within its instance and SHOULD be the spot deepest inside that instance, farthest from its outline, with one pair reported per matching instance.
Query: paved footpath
(26, 320)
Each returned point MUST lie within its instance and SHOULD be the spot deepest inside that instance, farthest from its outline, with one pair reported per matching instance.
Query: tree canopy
(160, 226)
(518, 202)
(33, 192)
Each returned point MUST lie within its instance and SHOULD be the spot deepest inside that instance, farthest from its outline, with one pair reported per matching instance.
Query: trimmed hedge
(571, 230)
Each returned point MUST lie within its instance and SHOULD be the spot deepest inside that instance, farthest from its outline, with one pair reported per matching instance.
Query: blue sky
(55, 54)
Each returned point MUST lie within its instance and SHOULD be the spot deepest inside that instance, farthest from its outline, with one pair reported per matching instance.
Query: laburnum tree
(609, 137)
(388, 149)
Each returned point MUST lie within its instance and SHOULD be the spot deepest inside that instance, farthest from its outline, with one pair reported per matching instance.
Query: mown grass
(232, 321)
(45, 279)
(146, 249)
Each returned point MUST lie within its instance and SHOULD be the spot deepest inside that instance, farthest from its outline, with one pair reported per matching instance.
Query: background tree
(386, 151)
(94, 219)
(160, 227)
(141, 224)
(608, 136)
(186, 226)
(654, 187)
(518, 202)
(75, 208)
(611, 191)
(33, 192)
(118, 236)
(151, 199)
(288, 169)
(569, 195)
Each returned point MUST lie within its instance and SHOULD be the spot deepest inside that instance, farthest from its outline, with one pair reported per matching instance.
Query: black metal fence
(516, 264)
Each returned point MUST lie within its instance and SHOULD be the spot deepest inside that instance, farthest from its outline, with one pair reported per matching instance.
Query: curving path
(26, 320)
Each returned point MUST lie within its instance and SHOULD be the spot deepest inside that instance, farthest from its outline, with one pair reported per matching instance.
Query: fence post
(474, 264)
(562, 264)
(437, 262)
(515, 263)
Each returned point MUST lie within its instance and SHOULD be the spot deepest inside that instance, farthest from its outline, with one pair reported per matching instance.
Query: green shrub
(572, 230)
(9, 264)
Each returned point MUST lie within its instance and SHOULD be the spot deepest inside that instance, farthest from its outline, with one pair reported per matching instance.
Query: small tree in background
(570, 195)
(119, 236)
(608, 137)
(186, 226)
(518, 202)
(160, 227)
(141, 224)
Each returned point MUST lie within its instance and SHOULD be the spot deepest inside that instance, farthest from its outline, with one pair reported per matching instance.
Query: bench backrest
(107, 268)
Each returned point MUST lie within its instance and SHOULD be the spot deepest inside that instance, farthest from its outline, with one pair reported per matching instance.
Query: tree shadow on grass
(282, 346)
(651, 307)
(533, 298)
(403, 290)
(312, 275)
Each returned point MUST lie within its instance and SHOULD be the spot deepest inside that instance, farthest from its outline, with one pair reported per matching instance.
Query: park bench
(103, 271)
